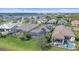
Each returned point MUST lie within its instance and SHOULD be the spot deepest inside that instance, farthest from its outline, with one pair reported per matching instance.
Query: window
(1, 30)
(7, 29)
(66, 37)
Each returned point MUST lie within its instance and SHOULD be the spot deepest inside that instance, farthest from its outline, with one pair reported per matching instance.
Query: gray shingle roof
(40, 29)
(53, 21)
(27, 27)
(62, 22)
(8, 26)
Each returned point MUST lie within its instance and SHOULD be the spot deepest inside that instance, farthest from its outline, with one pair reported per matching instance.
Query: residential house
(27, 27)
(63, 37)
(53, 21)
(41, 30)
(75, 29)
(75, 23)
(41, 20)
(8, 28)
(62, 22)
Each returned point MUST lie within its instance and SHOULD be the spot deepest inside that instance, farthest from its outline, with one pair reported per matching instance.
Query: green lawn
(56, 49)
(13, 43)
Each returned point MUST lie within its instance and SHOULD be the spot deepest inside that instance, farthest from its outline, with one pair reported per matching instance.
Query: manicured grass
(13, 43)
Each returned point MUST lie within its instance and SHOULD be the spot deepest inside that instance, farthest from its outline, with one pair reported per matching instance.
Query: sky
(39, 10)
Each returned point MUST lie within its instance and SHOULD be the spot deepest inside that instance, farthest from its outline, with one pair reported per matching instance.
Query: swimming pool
(70, 45)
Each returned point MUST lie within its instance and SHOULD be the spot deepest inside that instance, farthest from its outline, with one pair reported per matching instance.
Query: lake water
(21, 14)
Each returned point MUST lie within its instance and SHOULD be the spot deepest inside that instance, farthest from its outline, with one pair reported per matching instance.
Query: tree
(48, 37)
(43, 43)
(25, 36)
(59, 17)
(0, 35)
(75, 16)
(77, 38)
(48, 18)
(2, 21)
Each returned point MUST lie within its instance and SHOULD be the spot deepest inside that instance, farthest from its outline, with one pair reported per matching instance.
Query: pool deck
(66, 49)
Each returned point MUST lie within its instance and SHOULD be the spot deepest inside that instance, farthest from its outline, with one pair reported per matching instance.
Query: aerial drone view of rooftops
(39, 29)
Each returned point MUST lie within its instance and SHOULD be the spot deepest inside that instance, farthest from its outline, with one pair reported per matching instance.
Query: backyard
(11, 43)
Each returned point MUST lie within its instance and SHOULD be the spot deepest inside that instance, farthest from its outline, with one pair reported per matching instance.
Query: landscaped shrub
(77, 35)
(77, 38)
(48, 17)
(0, 35)
(25, 36)
(22, 38)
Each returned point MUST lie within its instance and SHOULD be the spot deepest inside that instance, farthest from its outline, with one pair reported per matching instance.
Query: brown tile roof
(61, 31)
